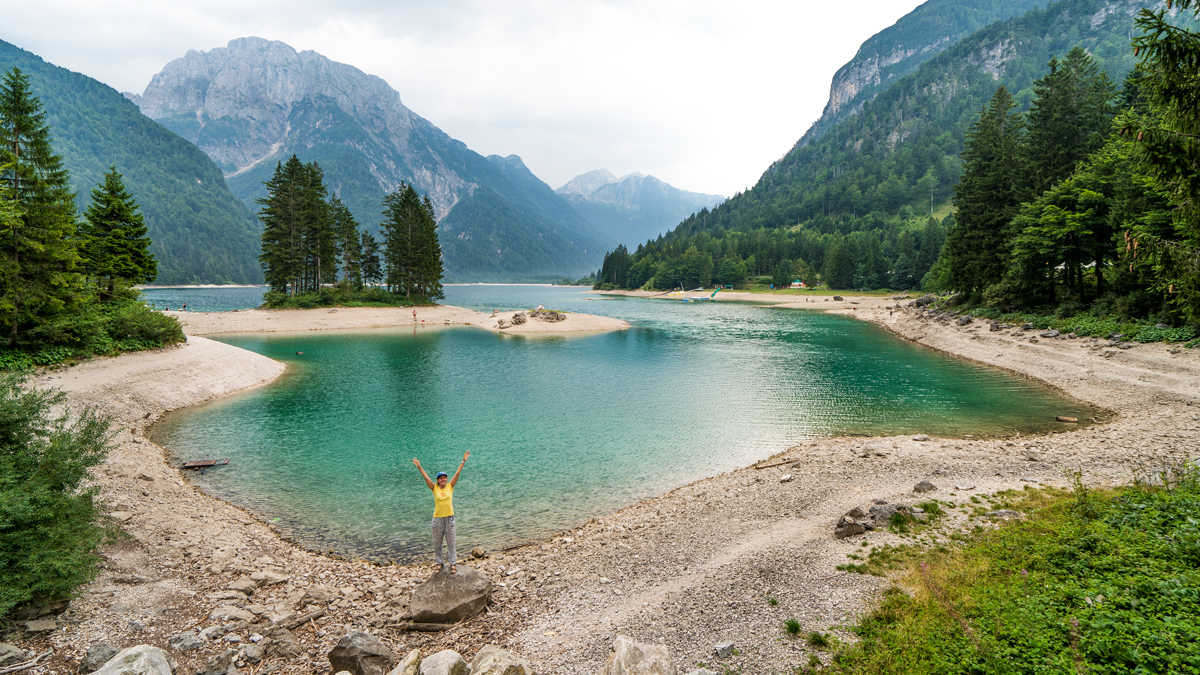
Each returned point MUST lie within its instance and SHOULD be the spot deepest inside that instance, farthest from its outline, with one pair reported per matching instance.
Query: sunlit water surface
(564, 428)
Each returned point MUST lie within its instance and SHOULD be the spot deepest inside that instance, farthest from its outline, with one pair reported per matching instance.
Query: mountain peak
(587, 183)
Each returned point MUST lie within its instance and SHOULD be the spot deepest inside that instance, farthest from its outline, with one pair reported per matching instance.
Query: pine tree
(987, 196)
(36, 248)
(1070, 118)
(348, 242)
(430, 263)
(320, 246)
(114, 247)
(283, 217)
(372, 269)
(1168, 150)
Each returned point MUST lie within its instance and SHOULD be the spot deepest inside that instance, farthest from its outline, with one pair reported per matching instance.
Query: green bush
(340, 296)
(1096, 581)
(48, 520)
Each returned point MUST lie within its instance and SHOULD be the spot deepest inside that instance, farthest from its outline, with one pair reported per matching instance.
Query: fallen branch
(777, 463)
(422, 627)
(303, 619)
(28, 664)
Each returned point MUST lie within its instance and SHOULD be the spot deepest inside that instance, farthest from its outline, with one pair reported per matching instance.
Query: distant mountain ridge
(256, 102)
(633, 208)
(201, 233)
(901, 48)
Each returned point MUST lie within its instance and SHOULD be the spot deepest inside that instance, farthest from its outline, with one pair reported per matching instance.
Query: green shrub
(91, 328)
(48, 521)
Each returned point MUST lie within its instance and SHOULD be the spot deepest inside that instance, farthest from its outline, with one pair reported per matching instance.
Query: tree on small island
(309, 234)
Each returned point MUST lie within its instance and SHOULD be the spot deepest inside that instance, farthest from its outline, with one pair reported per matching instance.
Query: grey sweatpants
(444, 528)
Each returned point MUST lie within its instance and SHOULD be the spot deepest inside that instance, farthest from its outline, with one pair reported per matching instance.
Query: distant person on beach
(184, 309)
(443, 513)
(414, 315)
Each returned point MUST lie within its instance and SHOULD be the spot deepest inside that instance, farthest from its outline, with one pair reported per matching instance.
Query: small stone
(121, 516)
(244, 585)
(964, 487)
(920, 438)
(142, 660)
(10, 654)
(233, 639)
(924, 486)
(253, 653)
(146, 477)
(724, 650)
(210, 632)
(97, 655)
(218, 665)
(40, 626)
(137, 626)
(231, 613)
(445, 662)
(848, 527)
(478, 552)
(185, 642)
(785, 478)
(492, 660)
(1049, 334)
(268, 578)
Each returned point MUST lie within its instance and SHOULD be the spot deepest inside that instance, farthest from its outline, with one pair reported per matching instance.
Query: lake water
(565, 428)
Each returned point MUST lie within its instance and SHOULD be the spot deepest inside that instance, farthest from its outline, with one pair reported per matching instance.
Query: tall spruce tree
(283, 216)
(320, 242)
(987, 196)
(1167, 142)
(1070, 118)
(37, 251)
(348, 243)
(372, 268)
(430, 269)
(113, 245)
(413, 255)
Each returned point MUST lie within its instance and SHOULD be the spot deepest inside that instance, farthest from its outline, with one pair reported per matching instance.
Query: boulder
(361, 654)
(492, 660)
(502, 324)
(921, 438)
(1028, 326)
(629, 657)
(222, 664)
(268, 578)
(923, 487)
(445, 662)
(10, 654)
(448, 598)
(317, 595)
(1050, 334)
(518, 318)
(548, 315)
(283, 643)
(995, 326)
(724, 650)
(838, 298)
(97, 655)
(848, 527)
(964, 320)
(409, 665)
(185, 642)
(478, 552)
(139, 660)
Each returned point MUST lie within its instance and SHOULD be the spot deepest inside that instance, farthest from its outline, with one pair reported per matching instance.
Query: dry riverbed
(690, 569)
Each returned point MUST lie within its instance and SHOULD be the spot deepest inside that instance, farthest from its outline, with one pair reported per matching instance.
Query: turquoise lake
(564, 428)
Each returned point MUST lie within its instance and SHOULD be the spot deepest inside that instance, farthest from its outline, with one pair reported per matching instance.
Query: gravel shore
(690, 569)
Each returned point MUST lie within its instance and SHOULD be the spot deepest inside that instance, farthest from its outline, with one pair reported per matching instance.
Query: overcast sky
(703, 94)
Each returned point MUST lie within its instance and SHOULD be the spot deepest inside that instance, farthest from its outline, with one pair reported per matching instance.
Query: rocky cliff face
(635, 207)
(240, 103)
(901, 48)
(255, 102)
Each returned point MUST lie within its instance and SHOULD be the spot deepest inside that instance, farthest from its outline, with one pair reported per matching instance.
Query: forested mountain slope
(632, 208)
(201, 232)
(903, 147)
(255, 102)
(902, 47)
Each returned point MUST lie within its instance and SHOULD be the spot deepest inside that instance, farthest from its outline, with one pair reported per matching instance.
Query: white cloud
(702, 94)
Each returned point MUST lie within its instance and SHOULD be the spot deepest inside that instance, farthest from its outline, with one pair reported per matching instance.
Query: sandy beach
(689, 569)
(351, 318)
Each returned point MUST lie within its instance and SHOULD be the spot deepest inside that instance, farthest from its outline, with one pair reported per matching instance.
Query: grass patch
(818, 640)
(1098, 581)
(772, 601)
(1096, 326)
(883, 559)
(792, 627)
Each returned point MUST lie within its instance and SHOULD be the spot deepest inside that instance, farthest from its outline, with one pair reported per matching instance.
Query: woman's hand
(416, 462)
(466, 455)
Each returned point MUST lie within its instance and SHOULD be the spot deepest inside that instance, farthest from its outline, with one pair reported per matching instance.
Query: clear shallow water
(564, 428)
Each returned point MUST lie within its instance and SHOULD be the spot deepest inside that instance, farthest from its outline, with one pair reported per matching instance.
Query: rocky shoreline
(691, 569)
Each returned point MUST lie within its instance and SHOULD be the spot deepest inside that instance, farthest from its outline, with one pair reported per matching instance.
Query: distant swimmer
(414, 315)
(443, 513)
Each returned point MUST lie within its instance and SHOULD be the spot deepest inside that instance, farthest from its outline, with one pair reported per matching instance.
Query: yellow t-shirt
(443, 500)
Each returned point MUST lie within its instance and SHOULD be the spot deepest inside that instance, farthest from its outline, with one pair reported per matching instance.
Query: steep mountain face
(256, 102)
(901, 48)
(634, 208)
(201, 232)
(902, 149)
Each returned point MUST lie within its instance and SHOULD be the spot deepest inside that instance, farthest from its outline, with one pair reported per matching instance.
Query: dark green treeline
(65, 284)
(310, 235)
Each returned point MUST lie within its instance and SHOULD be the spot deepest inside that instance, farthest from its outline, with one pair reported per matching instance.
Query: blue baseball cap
(443, 473)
